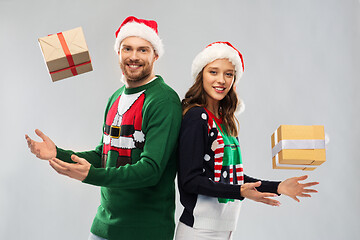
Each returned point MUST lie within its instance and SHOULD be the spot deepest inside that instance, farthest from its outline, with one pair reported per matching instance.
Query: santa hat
(146, 29)
(220, 50)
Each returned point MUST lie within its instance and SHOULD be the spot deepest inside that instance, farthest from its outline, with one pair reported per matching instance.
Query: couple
(146, 129)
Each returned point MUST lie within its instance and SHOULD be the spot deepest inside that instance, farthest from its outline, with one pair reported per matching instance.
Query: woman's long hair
(196, 96)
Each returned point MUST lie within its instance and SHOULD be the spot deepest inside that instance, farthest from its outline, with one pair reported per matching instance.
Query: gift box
(298, 147)
(66, 54)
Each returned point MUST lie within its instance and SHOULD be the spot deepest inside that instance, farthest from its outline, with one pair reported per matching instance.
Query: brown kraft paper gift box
(66, 54)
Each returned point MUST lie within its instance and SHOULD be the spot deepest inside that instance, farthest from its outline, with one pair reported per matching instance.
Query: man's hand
(292, 188)
(78, 170)
(44, 150)
(248, 190)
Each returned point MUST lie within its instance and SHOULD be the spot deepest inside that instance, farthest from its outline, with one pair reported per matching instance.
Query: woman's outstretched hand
(292, 188)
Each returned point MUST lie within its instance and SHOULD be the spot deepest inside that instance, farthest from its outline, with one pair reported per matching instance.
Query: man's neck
(130, 84)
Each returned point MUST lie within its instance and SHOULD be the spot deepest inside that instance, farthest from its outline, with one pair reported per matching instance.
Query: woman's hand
(292, 188)
(248, 190)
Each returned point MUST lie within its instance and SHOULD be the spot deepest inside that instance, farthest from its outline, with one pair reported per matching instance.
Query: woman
(211, 179)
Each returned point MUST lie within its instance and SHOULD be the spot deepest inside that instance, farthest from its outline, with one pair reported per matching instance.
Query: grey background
(301, 67)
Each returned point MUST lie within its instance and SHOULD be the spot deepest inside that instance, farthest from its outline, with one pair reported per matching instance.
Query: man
(135, 163)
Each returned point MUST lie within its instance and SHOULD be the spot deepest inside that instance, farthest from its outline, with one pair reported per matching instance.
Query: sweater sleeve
(192, 144)
(92, 156)
(161, 130)
(266, 186)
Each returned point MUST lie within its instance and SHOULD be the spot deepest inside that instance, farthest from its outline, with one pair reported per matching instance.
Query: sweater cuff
(64, 155)
(92, 177)
(239, 194)
(231, 193)
(276, 186)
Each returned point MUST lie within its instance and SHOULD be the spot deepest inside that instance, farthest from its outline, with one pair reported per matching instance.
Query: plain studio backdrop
(301, 67)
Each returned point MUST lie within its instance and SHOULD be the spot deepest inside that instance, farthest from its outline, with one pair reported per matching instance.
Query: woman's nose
(221, 79)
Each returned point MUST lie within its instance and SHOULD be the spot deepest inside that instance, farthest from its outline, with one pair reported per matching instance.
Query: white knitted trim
(217, 51)
(241, 107)
(134, 29)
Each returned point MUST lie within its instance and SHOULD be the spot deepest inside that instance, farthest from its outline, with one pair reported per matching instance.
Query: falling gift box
(298, 147)
(66, 54)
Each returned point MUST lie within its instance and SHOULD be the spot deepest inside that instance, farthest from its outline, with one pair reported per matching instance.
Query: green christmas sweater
(135, 163)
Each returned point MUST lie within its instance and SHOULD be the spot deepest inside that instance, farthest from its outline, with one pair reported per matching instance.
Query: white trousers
(184, 232)
(94, 237)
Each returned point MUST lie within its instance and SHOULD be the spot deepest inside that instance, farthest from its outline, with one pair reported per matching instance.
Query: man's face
(136, 57)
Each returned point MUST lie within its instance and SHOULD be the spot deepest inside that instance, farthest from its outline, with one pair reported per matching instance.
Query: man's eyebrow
(147, 47)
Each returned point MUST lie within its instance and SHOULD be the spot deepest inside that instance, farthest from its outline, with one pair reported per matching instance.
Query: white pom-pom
(327, 140)
(139, 136)
(240, 108)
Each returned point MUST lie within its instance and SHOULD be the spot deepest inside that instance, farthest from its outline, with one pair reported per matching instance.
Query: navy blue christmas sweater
(210, 173)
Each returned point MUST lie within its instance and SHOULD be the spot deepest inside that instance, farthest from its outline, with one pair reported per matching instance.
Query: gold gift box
(298, 147)
(66, 54)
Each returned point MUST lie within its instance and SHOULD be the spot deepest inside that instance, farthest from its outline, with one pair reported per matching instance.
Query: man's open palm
(44, 150)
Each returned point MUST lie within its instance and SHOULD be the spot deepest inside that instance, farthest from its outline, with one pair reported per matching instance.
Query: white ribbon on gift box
(295, 144)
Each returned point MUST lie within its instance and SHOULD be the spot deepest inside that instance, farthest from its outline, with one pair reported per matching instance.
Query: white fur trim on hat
(217, 51)
(240, 108)
(134, 29)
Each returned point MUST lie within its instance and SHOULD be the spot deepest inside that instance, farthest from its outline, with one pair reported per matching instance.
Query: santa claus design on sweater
(122, 131)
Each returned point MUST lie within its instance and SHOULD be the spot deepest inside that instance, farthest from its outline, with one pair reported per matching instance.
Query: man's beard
(136, 77)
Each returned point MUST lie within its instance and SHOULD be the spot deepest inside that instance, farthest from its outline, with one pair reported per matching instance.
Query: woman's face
(218, 77)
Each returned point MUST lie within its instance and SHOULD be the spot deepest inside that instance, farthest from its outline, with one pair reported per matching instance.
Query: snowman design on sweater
(228, 166)
(122, 131)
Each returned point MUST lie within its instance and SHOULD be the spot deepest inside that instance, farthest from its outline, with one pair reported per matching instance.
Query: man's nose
(134, 55)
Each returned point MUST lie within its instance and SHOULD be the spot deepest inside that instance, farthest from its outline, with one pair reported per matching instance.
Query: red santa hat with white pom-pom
(135, 27)
(220, 50)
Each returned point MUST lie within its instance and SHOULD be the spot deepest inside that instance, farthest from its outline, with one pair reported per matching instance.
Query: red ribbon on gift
(68, 55)
(72, 68)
